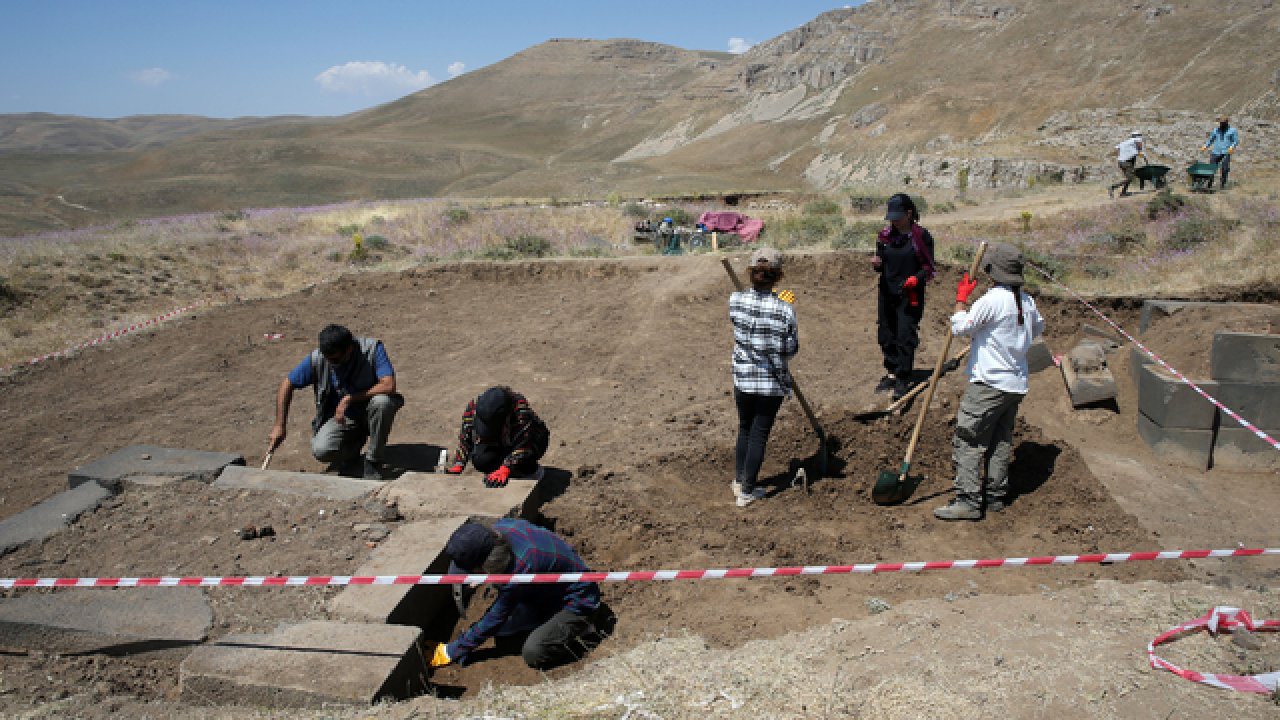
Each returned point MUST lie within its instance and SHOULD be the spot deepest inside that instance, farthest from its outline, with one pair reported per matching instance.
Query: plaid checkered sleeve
(765, 337)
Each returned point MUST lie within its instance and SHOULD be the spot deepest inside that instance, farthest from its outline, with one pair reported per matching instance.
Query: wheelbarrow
(1201, 175)
(1154, 174)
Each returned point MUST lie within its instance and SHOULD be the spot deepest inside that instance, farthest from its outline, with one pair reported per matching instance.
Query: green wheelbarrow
(1201, 175)
(1154, 174)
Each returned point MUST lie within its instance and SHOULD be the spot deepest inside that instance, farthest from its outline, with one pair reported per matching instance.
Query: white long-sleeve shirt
(998, 355)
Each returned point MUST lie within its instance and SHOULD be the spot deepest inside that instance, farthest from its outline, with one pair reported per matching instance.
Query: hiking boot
(1111, 192)
(900, 389)
(743, 497)
(886, 383)
(372, 470)
(958, 509)
(997, 504)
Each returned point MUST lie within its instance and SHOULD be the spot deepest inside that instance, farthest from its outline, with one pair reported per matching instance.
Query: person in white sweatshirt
(1002, 324)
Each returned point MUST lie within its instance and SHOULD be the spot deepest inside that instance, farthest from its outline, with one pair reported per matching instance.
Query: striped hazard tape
(626, 576)
(109, 336)
(1219, 619)
(1261, 434)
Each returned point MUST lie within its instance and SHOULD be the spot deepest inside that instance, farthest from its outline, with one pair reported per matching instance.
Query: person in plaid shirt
(765, 338)
(558, 618)
(502, 436)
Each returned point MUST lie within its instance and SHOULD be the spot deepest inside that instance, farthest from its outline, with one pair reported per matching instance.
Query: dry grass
(61, 289)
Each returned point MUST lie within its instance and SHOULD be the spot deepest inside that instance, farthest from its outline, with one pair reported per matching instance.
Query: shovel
(894, 486)
(821, 456)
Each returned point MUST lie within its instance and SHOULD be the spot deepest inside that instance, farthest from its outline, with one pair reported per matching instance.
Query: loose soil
(628, 362)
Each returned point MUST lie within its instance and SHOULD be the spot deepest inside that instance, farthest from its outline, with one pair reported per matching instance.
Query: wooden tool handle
(937, 370)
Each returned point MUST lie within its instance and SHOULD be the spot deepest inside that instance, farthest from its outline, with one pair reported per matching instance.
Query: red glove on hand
(910, 283)
(497, 478)
(965, 288)
(455, 469)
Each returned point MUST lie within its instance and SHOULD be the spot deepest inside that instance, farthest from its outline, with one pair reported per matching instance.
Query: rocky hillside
(929, 93)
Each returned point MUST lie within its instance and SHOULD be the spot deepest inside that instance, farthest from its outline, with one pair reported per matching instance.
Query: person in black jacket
(904, 260)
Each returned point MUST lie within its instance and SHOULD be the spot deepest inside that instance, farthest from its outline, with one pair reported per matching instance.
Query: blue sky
(230, 58)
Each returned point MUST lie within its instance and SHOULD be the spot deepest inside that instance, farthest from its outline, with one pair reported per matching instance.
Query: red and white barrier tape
(109, 336)
(1262, 435)
(1219, 619)
(624, 576)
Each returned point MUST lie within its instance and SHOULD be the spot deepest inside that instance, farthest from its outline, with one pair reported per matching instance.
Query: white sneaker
(743, 498)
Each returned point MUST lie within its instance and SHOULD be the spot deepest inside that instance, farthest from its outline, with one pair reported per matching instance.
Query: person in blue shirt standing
(554, 623)
(356, 399)
(1221, 145)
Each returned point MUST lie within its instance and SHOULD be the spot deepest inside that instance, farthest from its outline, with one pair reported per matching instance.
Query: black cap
(491, 413)
(897, 208)
(468, 547)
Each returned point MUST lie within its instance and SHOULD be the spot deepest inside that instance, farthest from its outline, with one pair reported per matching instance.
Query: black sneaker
(372, 470)
(900, 389)
(886, 384)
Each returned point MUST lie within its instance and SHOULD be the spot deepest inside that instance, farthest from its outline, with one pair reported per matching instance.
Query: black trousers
(898, 332)
(756, 414)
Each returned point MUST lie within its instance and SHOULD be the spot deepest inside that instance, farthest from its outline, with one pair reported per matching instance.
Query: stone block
(114, 470)
(427, 495)
(1171, 403)
(1088, 388)
(1236, 448)
(49, 517)
(1245, 357)
(1137, 359)
(1108, 340)
(1179, 446)
(331, 487)
(415, 548)
(1257, 403)
(1039, 356)
(307, 665)
(97, 619)
(1154, 310)
(1087, 356)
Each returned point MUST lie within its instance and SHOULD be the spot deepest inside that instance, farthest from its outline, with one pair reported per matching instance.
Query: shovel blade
(893, 487)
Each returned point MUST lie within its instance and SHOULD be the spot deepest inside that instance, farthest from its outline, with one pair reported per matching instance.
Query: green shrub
(635, 210)
(960, 254)
(857, 236)
(335, 256)
(1165, 202)
(529, 246)
(348, 230)
(591, 251)
(962, 179)
(798, 231)
(457, 214)
(498, 252)
(614, 199)
(822, 207)
(1047, 262)
(1193, 229)
(867, 203)
(678, 215)
(376, 242)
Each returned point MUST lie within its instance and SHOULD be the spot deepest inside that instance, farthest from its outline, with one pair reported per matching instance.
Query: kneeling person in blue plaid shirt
(765, 338)
(552, 623)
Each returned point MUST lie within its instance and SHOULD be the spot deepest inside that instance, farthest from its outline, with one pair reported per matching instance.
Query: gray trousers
(984, 427)
(338, 443)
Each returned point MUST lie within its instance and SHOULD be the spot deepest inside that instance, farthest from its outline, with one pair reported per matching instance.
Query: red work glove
(913, 297)
(497, 478)
(455, 469)
(965, 288)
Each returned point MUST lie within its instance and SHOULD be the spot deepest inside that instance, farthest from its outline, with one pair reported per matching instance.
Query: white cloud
(457, 68)
(373, 78)
(151, 77)
(737, 45)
